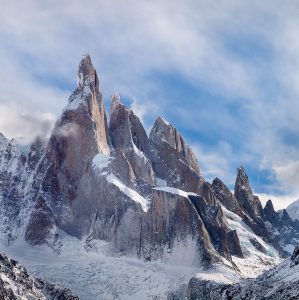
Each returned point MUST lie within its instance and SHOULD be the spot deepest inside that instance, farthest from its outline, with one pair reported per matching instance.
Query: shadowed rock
(176, 233)
(174, 161)
(226, 197)
(128, 135)
(164, 131)
(243, 193)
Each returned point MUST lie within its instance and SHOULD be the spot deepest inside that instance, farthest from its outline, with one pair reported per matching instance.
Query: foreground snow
(92, 275)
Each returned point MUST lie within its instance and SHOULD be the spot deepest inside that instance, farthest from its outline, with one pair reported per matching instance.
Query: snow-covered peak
(84, 55)
(115, 98)
(115, 102)
(160, 125)
(293, 210)
(241, 170)
(242, 182)
(86, 74)
(160, 119)
(115, 106)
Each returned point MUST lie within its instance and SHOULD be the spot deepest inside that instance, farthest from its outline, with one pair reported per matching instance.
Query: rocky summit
(16, 283)
(104, 181)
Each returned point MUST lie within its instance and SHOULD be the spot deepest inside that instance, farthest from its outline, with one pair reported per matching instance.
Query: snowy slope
(16, 283)
(293, 210)
(255, 261)
(91, 275)
(279, 283)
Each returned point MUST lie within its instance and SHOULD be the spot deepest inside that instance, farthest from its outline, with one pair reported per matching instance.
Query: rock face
(174, 162)
(89, 90)
(243, 193)
(129, 137)
(41, 226)
(227, 198)
(17, 283)
(278, 229)
(282, 226)
(12, 189)
(225, 241)
(174, 224)
(163, 131)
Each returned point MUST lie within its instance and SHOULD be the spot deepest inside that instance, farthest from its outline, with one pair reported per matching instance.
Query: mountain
(105, 183)
(275, 228)
(293, 210)
(17, 283)
(279, 283)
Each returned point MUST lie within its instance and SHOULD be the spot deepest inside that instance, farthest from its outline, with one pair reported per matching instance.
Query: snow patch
(101, 161)
(289, 248)
(161, 182)
(129, 192)
(175, 191)
(138, 152)
(73, 105)
(167, 123)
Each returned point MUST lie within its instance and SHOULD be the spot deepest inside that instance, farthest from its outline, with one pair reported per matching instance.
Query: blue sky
(225, 73)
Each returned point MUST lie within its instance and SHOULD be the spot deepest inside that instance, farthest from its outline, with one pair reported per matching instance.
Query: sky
(225, 73)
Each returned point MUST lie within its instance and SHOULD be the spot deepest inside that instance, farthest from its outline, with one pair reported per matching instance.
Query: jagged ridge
(95, 179)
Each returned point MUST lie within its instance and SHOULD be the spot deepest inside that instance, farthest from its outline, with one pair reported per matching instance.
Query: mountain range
(117, 191)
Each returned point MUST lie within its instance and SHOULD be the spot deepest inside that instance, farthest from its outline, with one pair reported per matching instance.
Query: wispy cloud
(215, 162)
(17, 122)
(237, 60)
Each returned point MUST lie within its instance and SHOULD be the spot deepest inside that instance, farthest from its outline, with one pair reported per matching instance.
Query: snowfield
(91, 275)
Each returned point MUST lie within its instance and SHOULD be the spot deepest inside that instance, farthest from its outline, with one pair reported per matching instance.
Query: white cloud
(215, 162)
(244, 52)
(141, 110)
(17, 122)
(68, 130)
(288, 174)
(279, 202)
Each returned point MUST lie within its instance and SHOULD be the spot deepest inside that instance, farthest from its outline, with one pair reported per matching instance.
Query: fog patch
(26, 125)
(68, 130)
